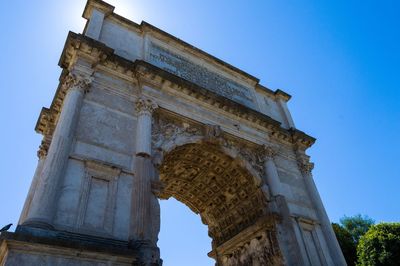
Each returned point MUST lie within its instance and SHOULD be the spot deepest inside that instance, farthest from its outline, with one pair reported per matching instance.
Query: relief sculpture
(259, 251)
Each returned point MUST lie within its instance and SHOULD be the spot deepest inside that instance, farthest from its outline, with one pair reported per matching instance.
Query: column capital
(82, 82)
(268, 152)
(145, 106)
(305, 166)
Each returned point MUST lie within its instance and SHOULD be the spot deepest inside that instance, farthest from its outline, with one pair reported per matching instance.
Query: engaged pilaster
(270, 171)
(286, 225)
(142, 209)
(43, 204)
(306, 169)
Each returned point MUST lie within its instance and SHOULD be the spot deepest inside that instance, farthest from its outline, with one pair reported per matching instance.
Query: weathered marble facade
(141, 116)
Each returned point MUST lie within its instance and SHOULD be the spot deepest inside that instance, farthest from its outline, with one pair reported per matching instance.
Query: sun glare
(127, 8)
(71, 15)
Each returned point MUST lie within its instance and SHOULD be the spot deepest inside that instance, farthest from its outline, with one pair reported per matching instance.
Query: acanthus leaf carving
(305, 166)
(77, 81)
(269, 152)
(145, 106)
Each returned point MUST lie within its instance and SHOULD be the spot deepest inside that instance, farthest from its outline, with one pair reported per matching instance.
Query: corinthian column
(333, 245)
(140, 221)
(271, 173)
(143, 209)
(43, 204)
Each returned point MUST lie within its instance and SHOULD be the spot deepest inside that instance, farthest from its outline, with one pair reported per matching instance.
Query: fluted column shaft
(43, 205)
(333, 245)
(140, 228)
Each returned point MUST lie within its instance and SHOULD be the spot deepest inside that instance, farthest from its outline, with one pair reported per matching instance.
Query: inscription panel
(200, 75)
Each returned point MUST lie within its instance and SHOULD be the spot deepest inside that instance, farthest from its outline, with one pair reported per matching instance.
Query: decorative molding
(43, 149)
(100, 173)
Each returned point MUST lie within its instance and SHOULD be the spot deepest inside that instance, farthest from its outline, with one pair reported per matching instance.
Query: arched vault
(214, 185)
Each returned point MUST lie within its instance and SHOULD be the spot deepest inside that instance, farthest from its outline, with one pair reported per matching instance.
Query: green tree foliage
(380, 246)
(357, 225)
(346, 244)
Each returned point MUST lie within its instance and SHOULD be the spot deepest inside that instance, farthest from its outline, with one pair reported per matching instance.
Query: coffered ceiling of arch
(213, 185)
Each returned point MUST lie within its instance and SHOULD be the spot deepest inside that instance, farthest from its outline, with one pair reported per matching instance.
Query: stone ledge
(35, 236)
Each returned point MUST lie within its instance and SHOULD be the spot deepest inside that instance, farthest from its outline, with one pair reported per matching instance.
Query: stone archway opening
(183, 239)
(228, 200)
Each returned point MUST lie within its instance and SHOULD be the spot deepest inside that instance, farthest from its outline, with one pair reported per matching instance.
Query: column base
(37, 223)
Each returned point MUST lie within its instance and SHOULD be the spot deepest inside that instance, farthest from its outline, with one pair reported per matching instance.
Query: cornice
(282, 95)
(45, 118)
(102, 56)
(101, 5)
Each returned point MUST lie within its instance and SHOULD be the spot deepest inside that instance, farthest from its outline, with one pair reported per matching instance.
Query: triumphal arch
(139, 116)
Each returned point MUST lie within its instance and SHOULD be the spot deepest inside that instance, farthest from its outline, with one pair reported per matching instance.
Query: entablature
(140, 71)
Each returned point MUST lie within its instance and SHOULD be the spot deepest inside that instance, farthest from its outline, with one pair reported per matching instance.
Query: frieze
(200, 75)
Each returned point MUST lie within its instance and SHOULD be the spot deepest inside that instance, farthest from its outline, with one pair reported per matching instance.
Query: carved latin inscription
(203, 77)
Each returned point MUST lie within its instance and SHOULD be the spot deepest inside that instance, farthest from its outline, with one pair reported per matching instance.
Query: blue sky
(340, 60)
